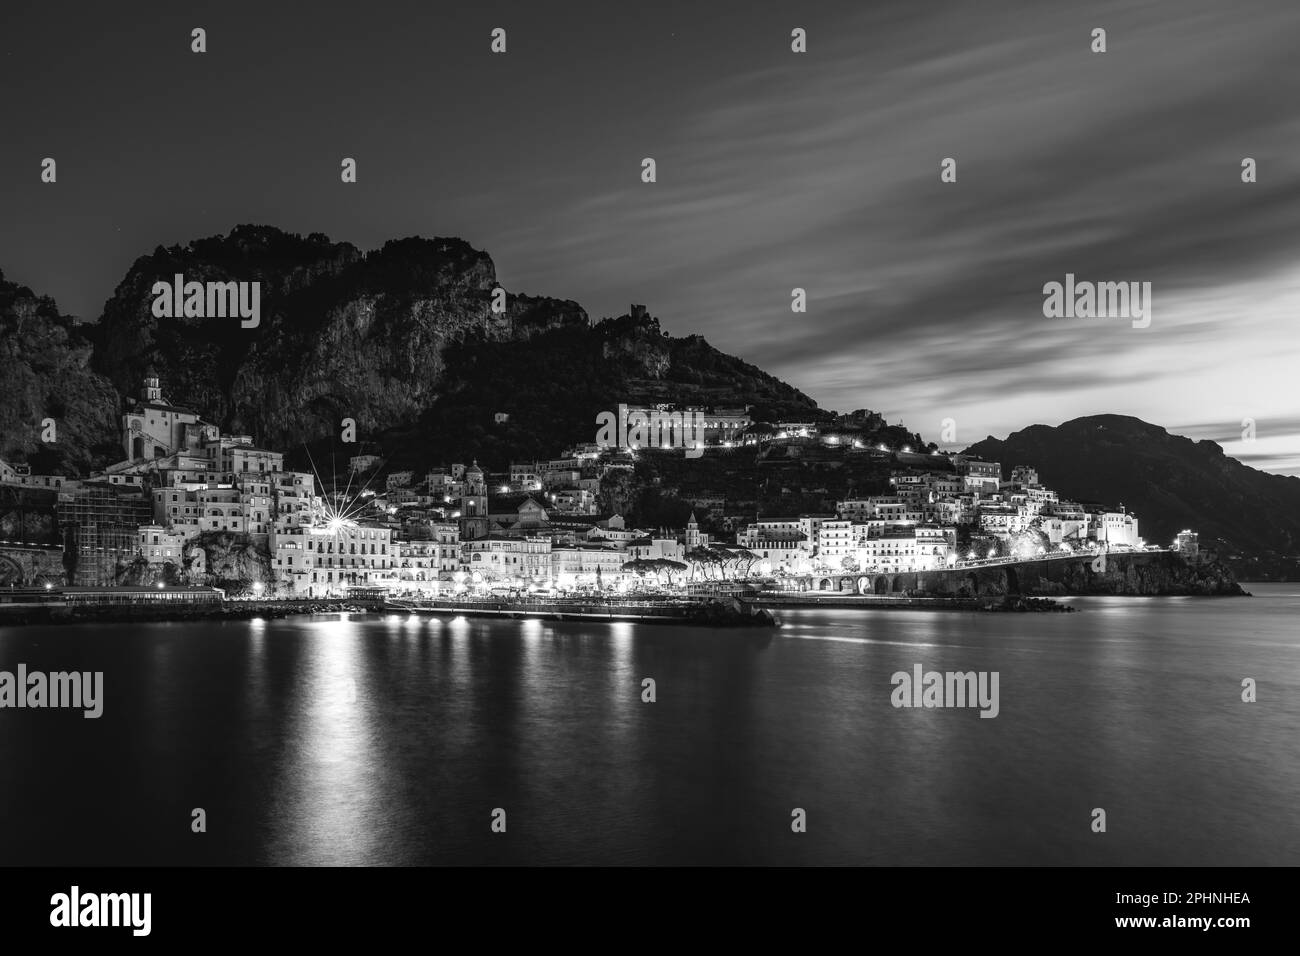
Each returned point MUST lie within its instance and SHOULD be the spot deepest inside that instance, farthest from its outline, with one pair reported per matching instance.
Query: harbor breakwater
(21, 614)
(720, 612)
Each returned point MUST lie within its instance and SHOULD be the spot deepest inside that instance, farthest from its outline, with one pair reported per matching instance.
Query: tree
(668, 566)
(704, 560)
(640, 567)
(735, 559)
(659, 567)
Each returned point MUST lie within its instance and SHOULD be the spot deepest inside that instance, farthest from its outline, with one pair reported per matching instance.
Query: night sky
(775, 170)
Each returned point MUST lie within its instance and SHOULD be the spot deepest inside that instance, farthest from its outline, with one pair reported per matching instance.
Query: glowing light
(336, 514)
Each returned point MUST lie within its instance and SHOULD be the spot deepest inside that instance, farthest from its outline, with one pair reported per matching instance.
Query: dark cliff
(343, 334)
(405, 342)
(45, 373)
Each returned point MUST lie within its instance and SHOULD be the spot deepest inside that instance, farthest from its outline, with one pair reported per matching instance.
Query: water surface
(383, 739)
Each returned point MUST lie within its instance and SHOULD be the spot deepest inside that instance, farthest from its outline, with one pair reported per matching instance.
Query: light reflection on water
(389, 739)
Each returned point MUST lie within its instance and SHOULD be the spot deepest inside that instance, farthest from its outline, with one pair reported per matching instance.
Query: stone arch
(882, 584)
(897, 584)
(846, 585)
(825, 584)
(1013, 581)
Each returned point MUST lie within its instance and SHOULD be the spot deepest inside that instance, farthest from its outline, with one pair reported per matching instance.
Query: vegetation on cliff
(47, 378)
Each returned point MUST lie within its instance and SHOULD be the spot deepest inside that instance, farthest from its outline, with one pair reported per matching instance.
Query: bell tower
(693, 537)
(152, 390)
(474, 505)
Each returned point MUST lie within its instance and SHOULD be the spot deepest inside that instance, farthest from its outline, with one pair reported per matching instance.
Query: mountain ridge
(404, 340)
(1170, 482)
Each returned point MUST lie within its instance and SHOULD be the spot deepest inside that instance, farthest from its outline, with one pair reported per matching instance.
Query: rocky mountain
(552, 385)
(405, 342)
(342, 334)
(46, 374)
(1170, 482)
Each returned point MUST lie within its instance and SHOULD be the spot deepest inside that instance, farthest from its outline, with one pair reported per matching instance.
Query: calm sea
(376, 739)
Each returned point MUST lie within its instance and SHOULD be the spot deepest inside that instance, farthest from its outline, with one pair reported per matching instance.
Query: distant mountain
(1170, 482)
(45, 374)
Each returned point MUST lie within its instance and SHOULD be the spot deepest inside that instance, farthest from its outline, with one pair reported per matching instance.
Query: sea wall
(1137, 573)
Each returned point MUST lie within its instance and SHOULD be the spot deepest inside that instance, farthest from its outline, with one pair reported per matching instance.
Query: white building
(581, 565)
(837, 542)
(1115, 529)
(891, 551)
(160, 546)
(779, 556)
(501, 559)
(318, 562)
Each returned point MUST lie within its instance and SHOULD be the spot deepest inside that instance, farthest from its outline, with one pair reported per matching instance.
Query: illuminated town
(185, 490)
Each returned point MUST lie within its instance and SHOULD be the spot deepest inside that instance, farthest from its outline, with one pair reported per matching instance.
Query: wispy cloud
(824, 174)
